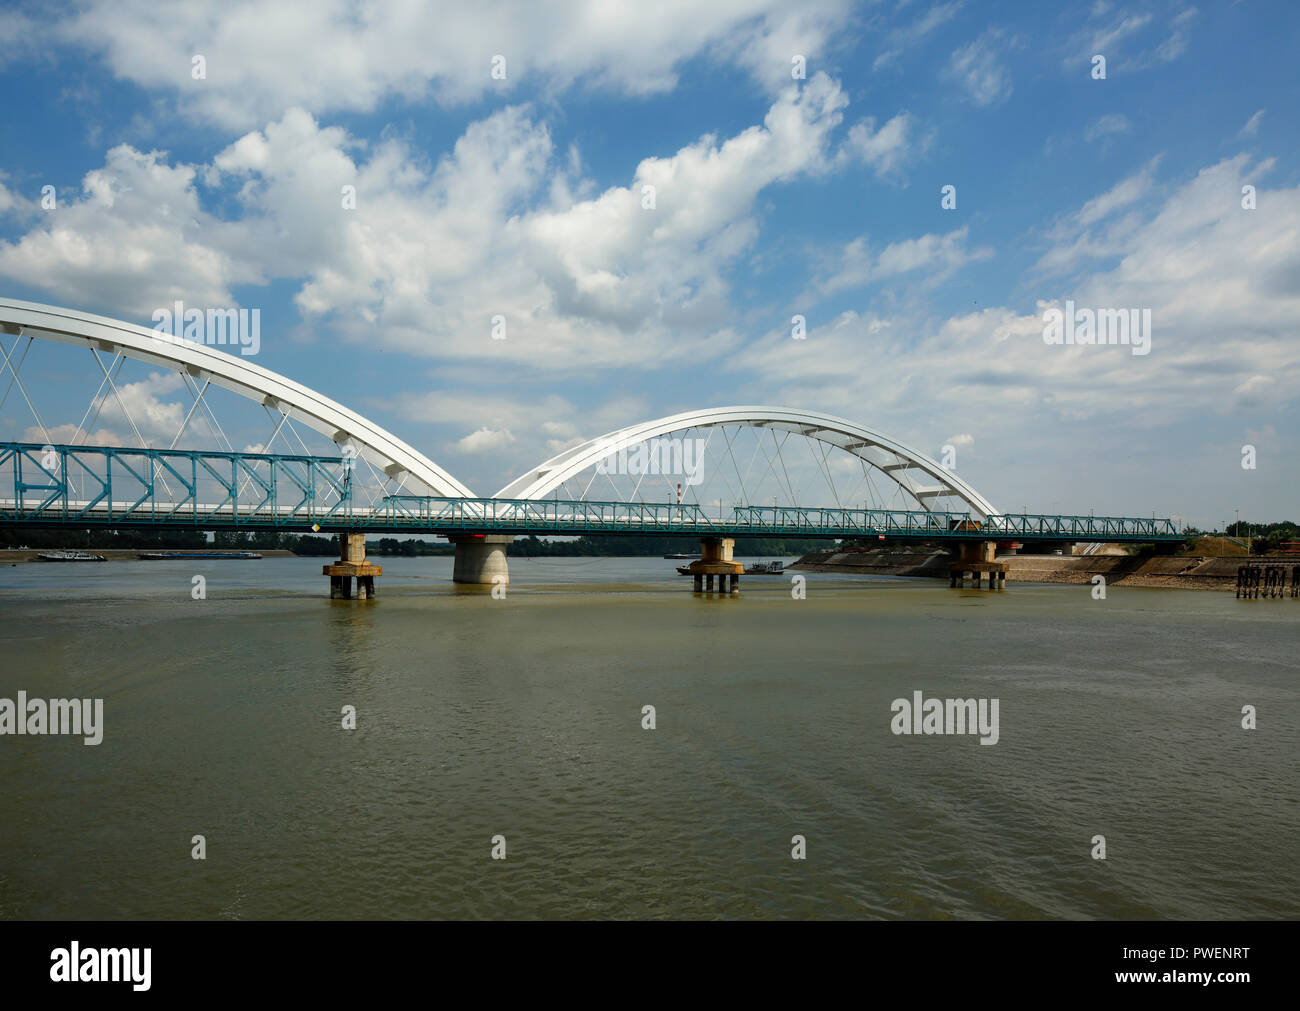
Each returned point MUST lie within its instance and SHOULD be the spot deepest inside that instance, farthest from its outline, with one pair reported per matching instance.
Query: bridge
(373, 482)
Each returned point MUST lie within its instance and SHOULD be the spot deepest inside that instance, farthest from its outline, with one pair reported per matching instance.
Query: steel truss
(251, 491)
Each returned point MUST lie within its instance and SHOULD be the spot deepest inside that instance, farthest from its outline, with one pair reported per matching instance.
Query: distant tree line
(1264, 538)
(326, 544)
(44, 538)
(410, 548)
(654, 546)
(63, 537)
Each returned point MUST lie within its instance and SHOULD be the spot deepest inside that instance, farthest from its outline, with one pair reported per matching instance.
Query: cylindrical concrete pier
(481, 558)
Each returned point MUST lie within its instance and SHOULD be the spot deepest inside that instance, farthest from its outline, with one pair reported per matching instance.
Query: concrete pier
(976, 559)
(480, 558)
(715, 560)
(961, 572)
(351, 565)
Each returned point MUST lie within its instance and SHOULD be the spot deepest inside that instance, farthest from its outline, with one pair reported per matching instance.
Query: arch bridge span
(202, 365)
(922, 479)
(922, 483)
(108, 485)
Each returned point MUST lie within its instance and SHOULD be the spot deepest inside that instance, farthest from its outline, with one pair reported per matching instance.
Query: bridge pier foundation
(480, 558)
(352, 564)
(961, 572)
(715, 560)
(977, 558)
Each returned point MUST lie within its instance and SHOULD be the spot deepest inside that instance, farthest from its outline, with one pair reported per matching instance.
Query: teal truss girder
(99, 486)
(534, 516)
(119, 488)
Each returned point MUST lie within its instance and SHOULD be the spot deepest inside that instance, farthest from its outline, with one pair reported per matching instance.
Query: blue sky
(775, 196)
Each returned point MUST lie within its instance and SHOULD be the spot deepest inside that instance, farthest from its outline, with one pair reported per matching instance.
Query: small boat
(765, 569)
(70, 556)
(156, 556)
(680, 555)
(684, 570)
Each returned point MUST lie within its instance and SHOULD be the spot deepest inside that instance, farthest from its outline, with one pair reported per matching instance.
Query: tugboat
(70, 556)
(765, 569)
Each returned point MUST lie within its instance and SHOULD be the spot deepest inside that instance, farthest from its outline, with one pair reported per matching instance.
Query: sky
(648, 195)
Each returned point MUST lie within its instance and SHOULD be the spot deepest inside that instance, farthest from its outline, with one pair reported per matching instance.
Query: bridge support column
(979, 551)
(975, 559)
(352, 564)
(715, 560)
(480, 558)
(960, 572)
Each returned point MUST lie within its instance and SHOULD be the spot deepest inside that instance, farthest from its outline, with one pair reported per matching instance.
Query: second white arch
(917, 474)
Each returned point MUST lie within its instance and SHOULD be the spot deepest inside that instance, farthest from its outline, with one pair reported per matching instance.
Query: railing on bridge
(1083, 528)
(541, 515)
(85, 486)
(955, 525)
(111, 486)
(574, 517)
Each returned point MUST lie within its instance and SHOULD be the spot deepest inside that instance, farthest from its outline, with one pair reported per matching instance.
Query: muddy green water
(522, 718)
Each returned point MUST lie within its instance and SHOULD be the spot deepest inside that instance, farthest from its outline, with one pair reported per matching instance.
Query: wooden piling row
(1255, 581)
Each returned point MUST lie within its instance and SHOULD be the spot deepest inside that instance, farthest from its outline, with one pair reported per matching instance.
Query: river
(522, 718)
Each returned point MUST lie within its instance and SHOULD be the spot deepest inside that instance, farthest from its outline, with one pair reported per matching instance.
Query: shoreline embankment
(1187, 572)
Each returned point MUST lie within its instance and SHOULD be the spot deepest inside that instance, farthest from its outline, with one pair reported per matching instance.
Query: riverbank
(1189, 572)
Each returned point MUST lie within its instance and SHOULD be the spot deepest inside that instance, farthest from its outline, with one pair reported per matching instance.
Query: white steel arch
(917, 474)
(383, 449)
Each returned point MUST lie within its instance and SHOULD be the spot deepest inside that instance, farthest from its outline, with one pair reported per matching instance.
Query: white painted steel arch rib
(906, 467)
(382, 448)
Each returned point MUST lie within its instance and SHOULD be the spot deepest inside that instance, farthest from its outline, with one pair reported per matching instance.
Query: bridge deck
(178, 489)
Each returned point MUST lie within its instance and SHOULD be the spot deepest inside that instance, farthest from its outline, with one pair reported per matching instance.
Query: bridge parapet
(110, 486)
(97, 486)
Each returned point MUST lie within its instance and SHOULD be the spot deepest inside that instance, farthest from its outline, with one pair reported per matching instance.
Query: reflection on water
(522, 717)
